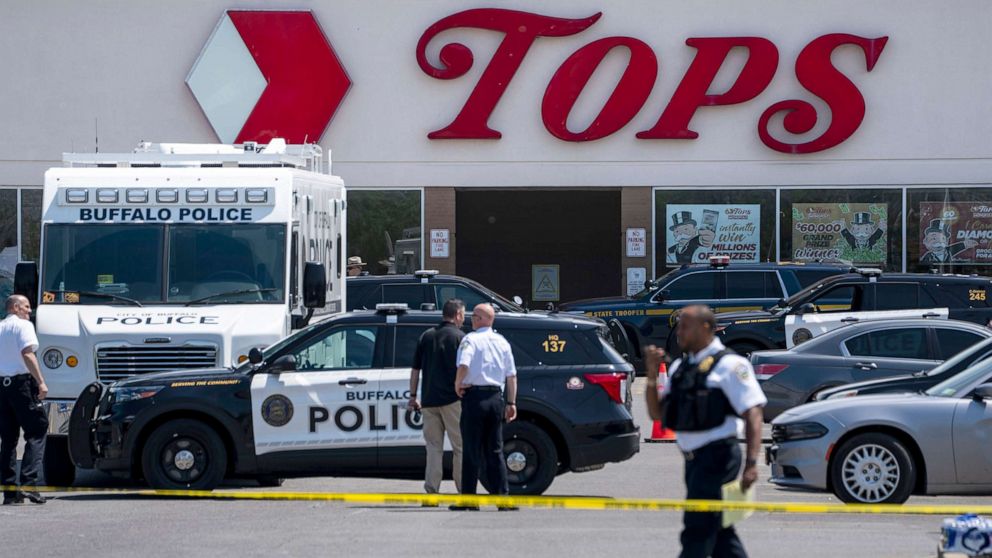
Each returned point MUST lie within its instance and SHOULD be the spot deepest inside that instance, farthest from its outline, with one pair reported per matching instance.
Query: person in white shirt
(485, 363)
(22, 388)
(710, 390)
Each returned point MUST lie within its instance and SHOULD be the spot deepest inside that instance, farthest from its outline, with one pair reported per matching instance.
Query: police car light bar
(391, 308)
(425, 273)
(719, 261)
(869, 271)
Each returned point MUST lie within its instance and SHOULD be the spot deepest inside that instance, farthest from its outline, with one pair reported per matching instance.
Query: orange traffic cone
(658, 431)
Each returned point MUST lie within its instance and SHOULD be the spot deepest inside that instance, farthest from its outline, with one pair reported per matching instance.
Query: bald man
(711, 389)
(22, 388)
(485, 364)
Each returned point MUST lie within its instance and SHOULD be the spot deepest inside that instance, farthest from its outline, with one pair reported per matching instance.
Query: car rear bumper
(801, 464)
(610, 448)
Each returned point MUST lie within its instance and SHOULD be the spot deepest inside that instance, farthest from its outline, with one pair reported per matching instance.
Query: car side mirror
(808, 308)
(254, 355)
(982, 392)
(782, 303)
(285, 363)
(314, 285)
(26, 281)
(664, 294)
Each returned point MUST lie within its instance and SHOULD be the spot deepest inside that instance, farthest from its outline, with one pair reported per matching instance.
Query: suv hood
(202, 374)
(604, 303)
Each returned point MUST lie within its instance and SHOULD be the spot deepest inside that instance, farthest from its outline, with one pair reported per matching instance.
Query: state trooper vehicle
(864, 294)
(649, 316)
(332, 400)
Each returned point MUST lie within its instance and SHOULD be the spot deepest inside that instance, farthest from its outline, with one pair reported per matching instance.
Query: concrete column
(439, 213)
(635, 212)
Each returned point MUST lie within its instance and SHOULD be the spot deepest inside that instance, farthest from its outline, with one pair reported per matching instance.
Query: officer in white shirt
(22, 388)
(485, 363)
(710, 390)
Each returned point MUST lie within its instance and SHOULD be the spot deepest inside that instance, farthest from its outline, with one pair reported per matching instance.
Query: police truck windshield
(164, 263)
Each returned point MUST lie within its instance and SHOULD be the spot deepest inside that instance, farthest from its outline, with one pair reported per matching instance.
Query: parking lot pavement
(122, 525)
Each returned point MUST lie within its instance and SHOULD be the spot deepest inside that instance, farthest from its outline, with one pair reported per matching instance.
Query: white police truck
(178, 256)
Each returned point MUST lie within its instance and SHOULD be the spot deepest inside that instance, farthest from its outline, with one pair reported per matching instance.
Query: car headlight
(797, 431)
(52, 358)
(123, 395)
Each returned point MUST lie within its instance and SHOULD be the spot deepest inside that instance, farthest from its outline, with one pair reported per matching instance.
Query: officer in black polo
(710, 390)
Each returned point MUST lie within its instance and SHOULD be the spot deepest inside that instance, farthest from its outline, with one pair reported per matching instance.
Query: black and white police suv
(331, 400)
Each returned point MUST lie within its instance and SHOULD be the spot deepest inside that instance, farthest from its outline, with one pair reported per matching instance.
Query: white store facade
(531, 136)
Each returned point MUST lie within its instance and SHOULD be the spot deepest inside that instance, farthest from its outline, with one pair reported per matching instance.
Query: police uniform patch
(743, 372)
(706, 364)
(277, 410)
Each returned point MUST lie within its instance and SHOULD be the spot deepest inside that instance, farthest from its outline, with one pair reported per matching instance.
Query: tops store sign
(253, 84)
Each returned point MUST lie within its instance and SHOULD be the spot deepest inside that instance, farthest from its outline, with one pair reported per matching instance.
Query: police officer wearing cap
(485, 363)
(22, 388)
(711, 389)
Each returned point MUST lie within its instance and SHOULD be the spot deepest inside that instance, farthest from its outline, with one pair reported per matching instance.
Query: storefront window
(692, 225)
(949, 230)
(384, 230)
(858, 226)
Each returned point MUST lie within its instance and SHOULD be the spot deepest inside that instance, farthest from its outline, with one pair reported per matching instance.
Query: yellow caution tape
(552, 502)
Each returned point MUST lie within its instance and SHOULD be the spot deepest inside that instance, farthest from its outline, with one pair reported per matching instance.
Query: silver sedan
(883, 448)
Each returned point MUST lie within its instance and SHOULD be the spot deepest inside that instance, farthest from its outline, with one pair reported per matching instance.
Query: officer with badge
(711, 389)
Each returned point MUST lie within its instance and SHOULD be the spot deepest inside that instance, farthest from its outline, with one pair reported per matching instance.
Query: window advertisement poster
(696, 232)
(850, 232)
(956, 232)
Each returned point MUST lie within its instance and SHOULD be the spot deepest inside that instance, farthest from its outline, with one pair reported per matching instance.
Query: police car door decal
(397, 425)
(318, 406)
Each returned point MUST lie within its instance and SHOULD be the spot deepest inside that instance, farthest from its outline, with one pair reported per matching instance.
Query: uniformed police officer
(485, 363)
(710, 390)
(22, 388)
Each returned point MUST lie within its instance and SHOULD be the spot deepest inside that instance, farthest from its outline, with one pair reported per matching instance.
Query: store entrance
(501, 234)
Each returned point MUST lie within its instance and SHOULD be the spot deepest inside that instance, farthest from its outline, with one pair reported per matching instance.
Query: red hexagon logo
(267, 74)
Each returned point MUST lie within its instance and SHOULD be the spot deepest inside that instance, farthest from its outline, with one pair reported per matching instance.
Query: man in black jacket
(441, 408)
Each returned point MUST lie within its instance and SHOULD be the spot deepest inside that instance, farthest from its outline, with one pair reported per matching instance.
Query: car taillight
(612, 382)
(766, 371)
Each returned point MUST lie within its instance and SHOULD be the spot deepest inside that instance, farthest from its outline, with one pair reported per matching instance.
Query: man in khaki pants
(435, 357)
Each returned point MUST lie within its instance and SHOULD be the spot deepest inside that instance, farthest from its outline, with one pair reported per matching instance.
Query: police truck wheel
(59, 468)
(184, 455)
(531, 459)
(873, 468)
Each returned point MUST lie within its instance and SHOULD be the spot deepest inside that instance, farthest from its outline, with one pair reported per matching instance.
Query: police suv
(649, 316)
(424, 286)
(861, 295)
(331, 400)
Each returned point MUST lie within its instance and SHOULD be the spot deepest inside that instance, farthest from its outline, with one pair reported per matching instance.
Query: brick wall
(635, 212)
(439, 213)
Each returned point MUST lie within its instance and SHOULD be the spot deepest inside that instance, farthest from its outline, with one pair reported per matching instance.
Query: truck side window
(694, 286)
(342, 348)
(412, 294)
(753, 284)
(294, 263)
(844, 298)
(407, 338)
(896, 296)
(892, 343)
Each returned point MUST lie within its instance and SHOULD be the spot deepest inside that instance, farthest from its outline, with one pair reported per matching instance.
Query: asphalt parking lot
(114, 524)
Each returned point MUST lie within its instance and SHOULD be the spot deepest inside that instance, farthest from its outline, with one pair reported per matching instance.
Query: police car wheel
(184, 454)
(531, 459)
(873, 468)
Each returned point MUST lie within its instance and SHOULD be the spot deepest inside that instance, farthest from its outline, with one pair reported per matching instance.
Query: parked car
(865, 294)
(332, 400)
(423, 287)
(864, 350)
(649, 316)
(883, 448)
(917, 381)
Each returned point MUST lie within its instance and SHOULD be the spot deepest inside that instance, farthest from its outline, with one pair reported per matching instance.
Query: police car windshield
(795, 299)
(164, 263)
(275, 348)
